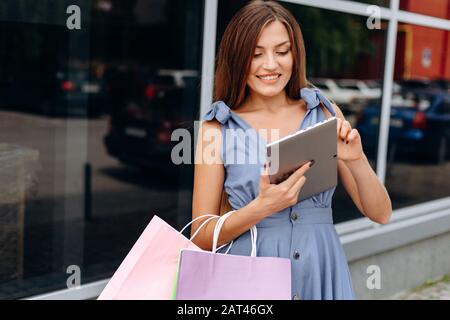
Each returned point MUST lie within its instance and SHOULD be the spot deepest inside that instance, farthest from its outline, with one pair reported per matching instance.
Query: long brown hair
(238, 45)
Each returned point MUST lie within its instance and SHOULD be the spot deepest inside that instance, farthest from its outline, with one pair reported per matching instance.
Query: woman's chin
(269, 93)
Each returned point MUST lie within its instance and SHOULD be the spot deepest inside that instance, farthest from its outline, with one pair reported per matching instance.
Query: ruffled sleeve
(313, 97)
(220, 111)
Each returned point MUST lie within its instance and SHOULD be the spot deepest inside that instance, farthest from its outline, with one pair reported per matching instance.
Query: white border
(388, 79)
(85, 292)
(360, 9)
(209, 52)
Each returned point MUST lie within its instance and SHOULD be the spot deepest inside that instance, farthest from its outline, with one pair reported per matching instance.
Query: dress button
(294, 216)
(295, 297)
(296, 255)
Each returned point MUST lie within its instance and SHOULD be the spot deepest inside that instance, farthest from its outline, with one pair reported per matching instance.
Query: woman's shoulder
(219, 111)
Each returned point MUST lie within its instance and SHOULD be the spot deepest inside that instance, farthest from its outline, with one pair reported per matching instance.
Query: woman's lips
(269, 79)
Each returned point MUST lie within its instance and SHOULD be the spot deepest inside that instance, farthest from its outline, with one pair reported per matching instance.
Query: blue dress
(304, 232)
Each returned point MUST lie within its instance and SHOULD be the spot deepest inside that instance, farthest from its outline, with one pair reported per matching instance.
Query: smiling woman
(261, 84)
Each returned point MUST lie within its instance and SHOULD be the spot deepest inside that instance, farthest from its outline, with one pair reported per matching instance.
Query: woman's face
(271, 66)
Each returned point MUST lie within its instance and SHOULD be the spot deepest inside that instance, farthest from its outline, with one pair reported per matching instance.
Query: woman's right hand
(276, 197)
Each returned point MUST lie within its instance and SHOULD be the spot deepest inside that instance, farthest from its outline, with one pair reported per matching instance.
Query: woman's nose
(270, 62)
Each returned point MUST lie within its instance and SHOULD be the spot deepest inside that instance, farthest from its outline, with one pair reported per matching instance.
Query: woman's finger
(345, 130)
(353, 135)
(289, 182)
(339, 124)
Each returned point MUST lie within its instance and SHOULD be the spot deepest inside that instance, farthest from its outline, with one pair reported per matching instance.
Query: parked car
(439, 84)
(77, 92)
(142, 124)
(419, 124)
(344, 98)
(369, 89)
(68, 91)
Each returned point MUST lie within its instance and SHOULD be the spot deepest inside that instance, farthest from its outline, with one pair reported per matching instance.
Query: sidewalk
(431, 290)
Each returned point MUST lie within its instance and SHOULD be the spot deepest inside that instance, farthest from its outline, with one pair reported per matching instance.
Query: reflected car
(419, 124)
(344, 98)
(369, 89)
(140, 129)
(77, 93)
(68, 91)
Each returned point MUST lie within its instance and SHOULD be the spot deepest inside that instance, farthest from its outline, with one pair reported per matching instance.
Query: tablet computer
(318, 143)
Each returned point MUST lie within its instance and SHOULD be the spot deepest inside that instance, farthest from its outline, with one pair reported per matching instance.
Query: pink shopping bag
(205, 275)
(149, 269)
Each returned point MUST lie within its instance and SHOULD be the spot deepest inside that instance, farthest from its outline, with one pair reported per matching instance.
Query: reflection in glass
(418, 167)
(86, 118)
(435, 8)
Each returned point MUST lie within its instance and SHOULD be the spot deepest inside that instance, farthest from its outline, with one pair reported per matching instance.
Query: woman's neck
(256, 102)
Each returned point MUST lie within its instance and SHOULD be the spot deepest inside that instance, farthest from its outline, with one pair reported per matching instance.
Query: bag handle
(218, 227)
(205, 215)
(211, 216)
(201, 226)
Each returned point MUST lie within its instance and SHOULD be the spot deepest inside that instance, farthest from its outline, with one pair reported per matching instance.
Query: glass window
(86, 117)
(435, 8)
(346, 65)
(419, 135)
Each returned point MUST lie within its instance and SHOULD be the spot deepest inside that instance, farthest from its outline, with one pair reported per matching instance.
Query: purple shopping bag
(205, 275)
(149, 269)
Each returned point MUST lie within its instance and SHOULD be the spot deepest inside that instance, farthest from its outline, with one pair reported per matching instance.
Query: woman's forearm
(235, 225)
(372, 193)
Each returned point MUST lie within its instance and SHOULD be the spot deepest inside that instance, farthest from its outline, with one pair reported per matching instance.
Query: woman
(261, 84)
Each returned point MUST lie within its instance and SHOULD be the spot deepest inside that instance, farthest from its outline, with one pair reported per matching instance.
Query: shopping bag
(204, 275)
(149, 269)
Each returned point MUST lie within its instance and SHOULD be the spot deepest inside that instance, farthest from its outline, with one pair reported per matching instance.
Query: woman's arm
(360, 181)
(207, 191)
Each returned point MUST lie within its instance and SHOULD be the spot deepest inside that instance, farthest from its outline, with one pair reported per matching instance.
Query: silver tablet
(318, 143)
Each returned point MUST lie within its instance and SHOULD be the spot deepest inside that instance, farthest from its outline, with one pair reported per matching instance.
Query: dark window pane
(419, 133)
(86, 118)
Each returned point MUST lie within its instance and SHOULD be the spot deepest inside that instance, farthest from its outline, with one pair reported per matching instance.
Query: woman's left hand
(349, 145)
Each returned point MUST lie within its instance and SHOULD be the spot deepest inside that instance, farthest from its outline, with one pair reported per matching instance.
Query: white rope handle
(254, 237)
(218, 228)
(205, 215)
(201, 226)
(211, 216)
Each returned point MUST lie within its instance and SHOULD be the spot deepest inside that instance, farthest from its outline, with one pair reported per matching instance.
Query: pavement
(437, 289)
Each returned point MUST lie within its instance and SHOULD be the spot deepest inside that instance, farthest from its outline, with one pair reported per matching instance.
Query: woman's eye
(257, 55)
(282, 53)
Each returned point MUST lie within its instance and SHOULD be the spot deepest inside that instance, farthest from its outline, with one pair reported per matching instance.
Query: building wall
(403, 268)
(415, 43)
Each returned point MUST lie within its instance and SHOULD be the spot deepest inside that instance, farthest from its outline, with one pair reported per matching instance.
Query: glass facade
(86, 117)
(418, 167)
(90, 95)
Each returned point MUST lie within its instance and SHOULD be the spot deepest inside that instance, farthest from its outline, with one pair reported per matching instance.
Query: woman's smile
(269, 79)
